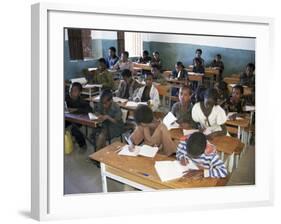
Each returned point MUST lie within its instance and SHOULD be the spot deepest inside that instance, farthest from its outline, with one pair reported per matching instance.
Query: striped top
(213, 165)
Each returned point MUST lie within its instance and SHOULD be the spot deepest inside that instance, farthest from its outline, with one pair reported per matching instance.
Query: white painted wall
(226, 42)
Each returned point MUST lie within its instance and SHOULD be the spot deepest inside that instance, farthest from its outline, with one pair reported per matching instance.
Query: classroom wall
(74, 68)
(234, 60)
(236, 51)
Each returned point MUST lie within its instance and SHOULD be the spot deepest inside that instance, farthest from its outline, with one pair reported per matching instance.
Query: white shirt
(216, 118)
(153, 94)
(124, 65)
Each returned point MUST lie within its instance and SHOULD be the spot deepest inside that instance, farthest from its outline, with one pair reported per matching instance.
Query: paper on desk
(249, 108)
(143, 150)
(189, 132)
(134, 104)
(89, 86)
(148, 151)
(126, 152)
(171, 170)
(118, 99)
(82, 80)
(194, 73)
(92, 116)
(97, 98)
(170, 121)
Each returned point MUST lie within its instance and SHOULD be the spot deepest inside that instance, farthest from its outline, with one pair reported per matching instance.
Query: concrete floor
(81, 175)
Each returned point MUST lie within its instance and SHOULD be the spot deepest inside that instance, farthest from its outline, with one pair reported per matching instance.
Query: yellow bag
(68, 144)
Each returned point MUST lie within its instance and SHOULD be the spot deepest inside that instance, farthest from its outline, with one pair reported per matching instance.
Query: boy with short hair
(194, 149)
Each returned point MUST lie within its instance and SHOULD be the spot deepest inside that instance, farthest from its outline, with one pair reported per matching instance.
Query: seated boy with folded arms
(194, 149)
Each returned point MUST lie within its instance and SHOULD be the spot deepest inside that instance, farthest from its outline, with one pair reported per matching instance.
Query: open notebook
(171, 170)
(170, 121)
(144, 150)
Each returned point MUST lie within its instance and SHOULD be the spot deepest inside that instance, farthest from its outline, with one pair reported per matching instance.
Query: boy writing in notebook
(194, 149)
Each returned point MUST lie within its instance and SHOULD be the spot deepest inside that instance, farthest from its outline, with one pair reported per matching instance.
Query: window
(80, 44)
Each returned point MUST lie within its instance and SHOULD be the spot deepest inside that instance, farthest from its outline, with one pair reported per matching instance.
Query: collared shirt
(110, 61)
(180, 75)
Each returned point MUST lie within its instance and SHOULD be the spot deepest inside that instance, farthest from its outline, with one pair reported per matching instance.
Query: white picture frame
(48, 201)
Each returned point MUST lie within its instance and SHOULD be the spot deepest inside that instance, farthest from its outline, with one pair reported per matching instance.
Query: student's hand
(101, 118)
(106, 117)
(233, 117)
(183, 161)
(194, 174)
(131, 148)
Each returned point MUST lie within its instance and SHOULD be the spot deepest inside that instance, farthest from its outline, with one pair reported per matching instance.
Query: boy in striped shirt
(194, 149)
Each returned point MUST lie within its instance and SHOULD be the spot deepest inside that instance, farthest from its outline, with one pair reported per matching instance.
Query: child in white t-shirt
(210, 116)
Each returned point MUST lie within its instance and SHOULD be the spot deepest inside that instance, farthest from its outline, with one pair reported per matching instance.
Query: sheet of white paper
(249, 108)
(118, 99)
(207, 131)
(82, 80)
(171, 170)
(92, 116)
(97, 98)
(170, 121)
(148, 151)
(189, 132)
(125, 151)
(89, 86)
(134, 104)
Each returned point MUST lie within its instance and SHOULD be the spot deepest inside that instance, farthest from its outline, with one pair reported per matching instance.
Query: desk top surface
(135, 167)
(224, 144)
(82, 119)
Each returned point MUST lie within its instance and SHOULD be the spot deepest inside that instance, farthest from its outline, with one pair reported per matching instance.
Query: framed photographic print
(139, 109)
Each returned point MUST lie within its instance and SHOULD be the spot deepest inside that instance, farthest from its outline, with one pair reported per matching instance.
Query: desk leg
(103, 178)
(238, 132)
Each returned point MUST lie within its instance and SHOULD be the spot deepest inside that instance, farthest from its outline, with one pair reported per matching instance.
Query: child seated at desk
(112, 58)
(74, 101)
(151, 132)
(124, 63)
(210, 116)
(155, 60)
(110, 116)
(182, 109)
(235, 103)
(217, 63)
(127, 86)
(198, 66)
(145, 58)
(179, 73)
(247, 78)
(103, 76)
(194, 149)
(198, 54)
(157, 75)
(222, 90)
(148, 93)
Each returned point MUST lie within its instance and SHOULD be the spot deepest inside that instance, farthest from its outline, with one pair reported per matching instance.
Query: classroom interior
(89, 169)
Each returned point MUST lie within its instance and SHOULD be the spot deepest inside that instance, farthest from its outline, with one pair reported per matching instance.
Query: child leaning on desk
(151, 131)
(194, 149)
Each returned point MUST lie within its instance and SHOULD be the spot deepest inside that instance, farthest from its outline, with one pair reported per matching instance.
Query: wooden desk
(241, 124)
(82, 119)
(142, 66)
(131, 170)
